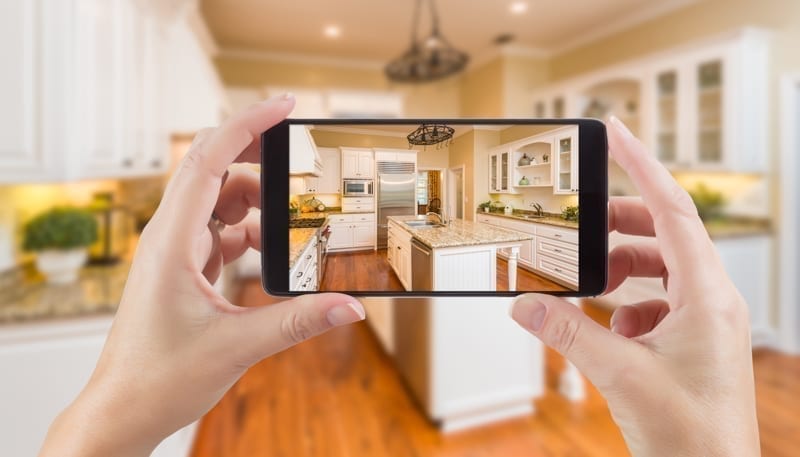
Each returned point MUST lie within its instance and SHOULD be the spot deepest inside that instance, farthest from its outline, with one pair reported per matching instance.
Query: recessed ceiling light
(332, 31)
(518, 7)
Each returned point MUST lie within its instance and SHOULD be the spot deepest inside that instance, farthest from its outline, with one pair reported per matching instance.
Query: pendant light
(427, 60)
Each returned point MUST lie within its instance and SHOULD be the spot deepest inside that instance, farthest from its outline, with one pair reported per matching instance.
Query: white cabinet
(84, 92)
(330, 182)
(357, 164)
(304, 159)
(500, 170)
(399, 244)
(527, 250)
(352, 231)
(358, 204)
(709, 109)
(303, 275)
(565, 170)
(45, 366)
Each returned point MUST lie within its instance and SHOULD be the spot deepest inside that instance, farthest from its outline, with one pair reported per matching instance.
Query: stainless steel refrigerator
(396, 197)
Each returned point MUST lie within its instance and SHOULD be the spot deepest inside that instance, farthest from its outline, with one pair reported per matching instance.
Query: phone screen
(441, 206)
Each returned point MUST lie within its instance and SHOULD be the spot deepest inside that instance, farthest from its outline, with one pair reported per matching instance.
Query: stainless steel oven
(358, 188)
(322, 252)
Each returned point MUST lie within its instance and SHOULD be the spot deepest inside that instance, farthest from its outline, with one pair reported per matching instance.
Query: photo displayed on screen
(433, 207)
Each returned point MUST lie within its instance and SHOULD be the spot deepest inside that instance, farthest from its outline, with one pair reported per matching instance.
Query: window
(422, 188)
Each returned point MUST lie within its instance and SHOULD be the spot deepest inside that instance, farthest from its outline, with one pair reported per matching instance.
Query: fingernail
(614, 328)
(346, 313)
(621, 128)
(535, 310)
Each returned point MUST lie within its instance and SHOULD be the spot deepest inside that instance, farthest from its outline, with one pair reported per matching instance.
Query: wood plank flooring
(339, 395)
(370, 270)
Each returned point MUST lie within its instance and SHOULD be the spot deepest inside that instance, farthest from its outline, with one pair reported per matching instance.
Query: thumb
(260, 332)
(595, 351)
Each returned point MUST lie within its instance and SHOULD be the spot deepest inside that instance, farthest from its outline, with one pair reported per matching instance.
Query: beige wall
(522, 75)
(519, 132)
(481, 93)
(462, 152)
(438, 99)
(428, 158)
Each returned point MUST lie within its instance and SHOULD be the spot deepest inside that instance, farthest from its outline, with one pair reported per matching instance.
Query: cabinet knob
(127, 163)
(308, 257)
(155, 163)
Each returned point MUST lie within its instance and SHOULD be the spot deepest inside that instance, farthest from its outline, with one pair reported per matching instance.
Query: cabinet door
(341, 236)
(366, 165)
(312, 184)
(349, 164)
(493, 173)
(526, 253)
(505, 163)
(390, 254)
(331, 180)
(101, 26)
(666, 85)
(708, 83)
(565, 162)
(20, 151)
(364, 234)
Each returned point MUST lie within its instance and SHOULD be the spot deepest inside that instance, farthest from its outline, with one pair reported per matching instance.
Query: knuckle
(564, 334)
(296, 328)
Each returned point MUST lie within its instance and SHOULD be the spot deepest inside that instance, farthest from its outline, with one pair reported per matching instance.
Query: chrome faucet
(538, 208)
(441, 219)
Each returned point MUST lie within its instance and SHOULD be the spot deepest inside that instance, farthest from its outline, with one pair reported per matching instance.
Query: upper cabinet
(701, 107)
(566, 162)
(304, 158)
(87, 93)
(500, 170)
(357, 164)
(331, 180)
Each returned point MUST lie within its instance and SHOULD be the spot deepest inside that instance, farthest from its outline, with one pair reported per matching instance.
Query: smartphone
(435, 207)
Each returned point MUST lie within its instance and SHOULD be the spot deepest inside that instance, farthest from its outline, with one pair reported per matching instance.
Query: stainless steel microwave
(358, 188)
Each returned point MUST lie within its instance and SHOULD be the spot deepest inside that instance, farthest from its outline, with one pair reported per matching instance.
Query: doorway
(789, 248)
(430, 191)
(455, 202)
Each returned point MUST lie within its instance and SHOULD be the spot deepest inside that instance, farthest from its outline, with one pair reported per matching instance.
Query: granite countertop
(458, 233)
(549, 218)
(298, 241)
(737, 227)
(24, 296)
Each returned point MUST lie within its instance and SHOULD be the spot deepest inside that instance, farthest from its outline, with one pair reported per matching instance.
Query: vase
(61, 266)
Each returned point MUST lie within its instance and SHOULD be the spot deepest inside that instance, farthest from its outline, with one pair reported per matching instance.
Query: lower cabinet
(303, 276)
(399, 254)
(352, 231)
(45, 366)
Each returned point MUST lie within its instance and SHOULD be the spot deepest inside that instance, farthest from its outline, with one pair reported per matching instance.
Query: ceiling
(379, 30)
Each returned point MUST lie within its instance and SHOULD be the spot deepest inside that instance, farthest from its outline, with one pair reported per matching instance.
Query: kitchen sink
(531, 216)
(419, 224)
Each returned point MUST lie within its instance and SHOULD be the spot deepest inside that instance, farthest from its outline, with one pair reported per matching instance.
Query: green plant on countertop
(60, 228)
(486, 204)
(709, 202)
(570, 213)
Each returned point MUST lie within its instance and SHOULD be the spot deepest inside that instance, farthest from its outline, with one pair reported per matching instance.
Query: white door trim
(451, 193)
(789, 174)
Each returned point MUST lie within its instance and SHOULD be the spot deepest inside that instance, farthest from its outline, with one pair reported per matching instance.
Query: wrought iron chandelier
(431, 134)
(427, 60)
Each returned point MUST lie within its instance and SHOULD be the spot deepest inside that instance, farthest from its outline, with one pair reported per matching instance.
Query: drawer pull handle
(556, 250)
(299, 274)
(557, 235)
(557, 269)
(308, 257)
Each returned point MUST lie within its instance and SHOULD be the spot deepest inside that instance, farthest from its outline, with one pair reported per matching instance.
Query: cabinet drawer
(565, 235)
(366, 217)
(557, 269)
(563, 251)
(520, 226)
(358, 201)
(357, 208)
(339, 218)
(489, 220)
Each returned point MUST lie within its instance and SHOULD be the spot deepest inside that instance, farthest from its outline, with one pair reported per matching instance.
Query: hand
(176, 345)
(677, 374)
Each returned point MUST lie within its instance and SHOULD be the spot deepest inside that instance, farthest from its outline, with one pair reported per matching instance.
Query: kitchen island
(458, 256)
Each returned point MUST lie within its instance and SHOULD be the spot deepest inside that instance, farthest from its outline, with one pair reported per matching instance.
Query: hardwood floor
(339, 395)
(370, 270)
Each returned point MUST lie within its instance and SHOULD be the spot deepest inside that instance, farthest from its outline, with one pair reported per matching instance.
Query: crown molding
(307, 59)
(655, 9)
(358, 131)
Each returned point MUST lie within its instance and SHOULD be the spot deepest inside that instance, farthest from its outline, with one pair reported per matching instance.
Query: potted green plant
(485, 206)
(570, 213)
(60, 237)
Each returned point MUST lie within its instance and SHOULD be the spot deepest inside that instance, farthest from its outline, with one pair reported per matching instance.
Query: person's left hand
(176, 345)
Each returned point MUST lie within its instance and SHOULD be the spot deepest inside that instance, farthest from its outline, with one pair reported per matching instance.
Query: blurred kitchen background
(101, 98)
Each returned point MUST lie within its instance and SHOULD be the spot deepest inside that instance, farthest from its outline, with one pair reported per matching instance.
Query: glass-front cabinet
(565, 172)
(499, 171)
(666, 116)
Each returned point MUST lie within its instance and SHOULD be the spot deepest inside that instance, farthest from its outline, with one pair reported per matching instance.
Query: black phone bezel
(592, 200)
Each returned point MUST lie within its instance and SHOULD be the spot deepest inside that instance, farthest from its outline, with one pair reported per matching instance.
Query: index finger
(191, 196)
(686, 247)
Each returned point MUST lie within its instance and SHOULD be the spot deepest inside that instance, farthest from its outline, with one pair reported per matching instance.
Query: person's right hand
(677, 374)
